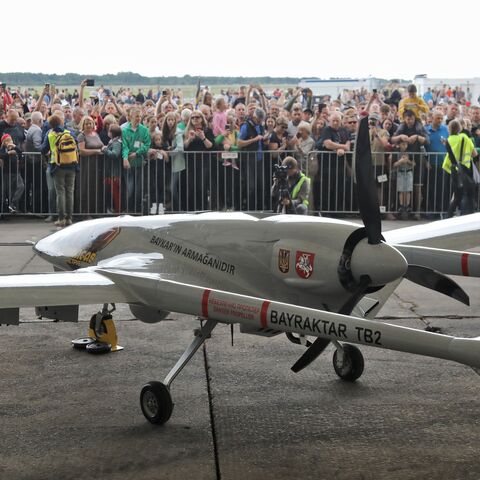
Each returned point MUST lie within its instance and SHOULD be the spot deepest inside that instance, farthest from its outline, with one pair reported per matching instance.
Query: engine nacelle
(148, 314)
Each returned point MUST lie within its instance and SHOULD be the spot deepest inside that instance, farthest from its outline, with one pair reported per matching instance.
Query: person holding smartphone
(198, 141)
(303, 143)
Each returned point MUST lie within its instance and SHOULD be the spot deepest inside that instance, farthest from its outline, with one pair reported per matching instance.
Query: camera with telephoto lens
(280, 174)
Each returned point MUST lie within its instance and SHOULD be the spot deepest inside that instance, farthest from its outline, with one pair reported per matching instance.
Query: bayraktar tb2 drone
(305, 276)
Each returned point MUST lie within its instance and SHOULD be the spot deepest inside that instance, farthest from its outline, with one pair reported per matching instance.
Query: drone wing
(458, 233)
(60, 288)
(440, 245)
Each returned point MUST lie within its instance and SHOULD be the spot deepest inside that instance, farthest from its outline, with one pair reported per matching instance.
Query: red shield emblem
(304, 264)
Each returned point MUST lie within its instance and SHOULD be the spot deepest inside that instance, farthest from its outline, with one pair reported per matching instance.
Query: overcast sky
(358, 38)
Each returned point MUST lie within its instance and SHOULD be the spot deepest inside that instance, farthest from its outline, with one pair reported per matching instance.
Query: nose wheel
(156, 402)
(155, 398)
(348, 362)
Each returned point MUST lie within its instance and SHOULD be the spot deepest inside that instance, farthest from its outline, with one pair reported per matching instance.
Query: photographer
(290, 188)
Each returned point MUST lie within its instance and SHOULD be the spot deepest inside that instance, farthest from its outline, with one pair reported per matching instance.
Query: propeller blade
(310, 354)
(429, 278)
(349, 305)
(320, 344)
(367, 190)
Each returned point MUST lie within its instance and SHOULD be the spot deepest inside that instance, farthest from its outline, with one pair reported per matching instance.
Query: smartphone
(90, 82)
(374, 90)
(47, 85)
(164, 92)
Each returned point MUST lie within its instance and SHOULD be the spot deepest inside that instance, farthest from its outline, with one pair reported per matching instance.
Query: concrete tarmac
(240, 413)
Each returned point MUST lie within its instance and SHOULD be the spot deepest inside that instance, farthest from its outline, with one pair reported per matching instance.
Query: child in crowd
(158, 160)
(113, 167)
(404, 167)
(219, 117)
(228, 141)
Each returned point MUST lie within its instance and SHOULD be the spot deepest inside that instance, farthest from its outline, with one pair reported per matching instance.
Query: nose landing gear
(155, 398)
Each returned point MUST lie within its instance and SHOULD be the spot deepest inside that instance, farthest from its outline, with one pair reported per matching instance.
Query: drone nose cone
(381, 262)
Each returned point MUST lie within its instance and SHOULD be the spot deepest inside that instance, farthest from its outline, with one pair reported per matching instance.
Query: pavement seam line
(212, 415)
(29, 261)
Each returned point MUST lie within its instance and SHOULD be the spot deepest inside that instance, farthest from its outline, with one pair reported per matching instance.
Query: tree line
(131, 78)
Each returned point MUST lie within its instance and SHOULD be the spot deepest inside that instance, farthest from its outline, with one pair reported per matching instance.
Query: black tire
(156, 402)
(82, 343)
(353, 363)
(98, 348)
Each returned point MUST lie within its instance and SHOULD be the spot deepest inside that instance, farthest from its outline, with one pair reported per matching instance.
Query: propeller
(370, 214)
(434, 280)
(367, 190)
(375, 263)
(320, 344)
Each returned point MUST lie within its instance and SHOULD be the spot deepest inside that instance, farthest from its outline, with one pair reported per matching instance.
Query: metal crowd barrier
(407, 184)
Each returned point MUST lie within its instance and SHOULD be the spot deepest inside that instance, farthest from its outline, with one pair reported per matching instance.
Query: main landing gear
(102, 334)
(348, 362)
(155, 398)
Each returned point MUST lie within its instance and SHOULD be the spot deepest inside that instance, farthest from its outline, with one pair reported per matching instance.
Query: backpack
(66, 149)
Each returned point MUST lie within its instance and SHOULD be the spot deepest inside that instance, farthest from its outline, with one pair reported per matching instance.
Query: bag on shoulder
(66, 149)
(460, 174)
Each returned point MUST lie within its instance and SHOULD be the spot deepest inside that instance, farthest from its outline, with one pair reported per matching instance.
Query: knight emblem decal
(304, 264)
(284, 260)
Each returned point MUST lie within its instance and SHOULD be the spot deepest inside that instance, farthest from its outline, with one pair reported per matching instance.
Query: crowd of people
(218, 151)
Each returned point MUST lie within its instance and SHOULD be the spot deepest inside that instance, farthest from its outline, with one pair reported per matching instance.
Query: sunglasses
(352, 122)
(196, 118)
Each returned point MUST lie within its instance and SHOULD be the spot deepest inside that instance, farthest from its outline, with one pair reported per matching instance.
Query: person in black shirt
(10, 125)
(199, 140)
(241, 97)
(11, 186)
(333, 144)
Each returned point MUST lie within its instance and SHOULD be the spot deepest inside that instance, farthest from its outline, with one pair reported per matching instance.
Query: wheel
(350, 367)
(82, 343)
(98, 348)
(156, 402)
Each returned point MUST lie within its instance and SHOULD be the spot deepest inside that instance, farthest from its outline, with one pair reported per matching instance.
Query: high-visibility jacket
(298, 187)
(455, 142)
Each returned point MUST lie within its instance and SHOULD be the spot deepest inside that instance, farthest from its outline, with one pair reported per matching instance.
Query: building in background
(335, 86)
(467, 84)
